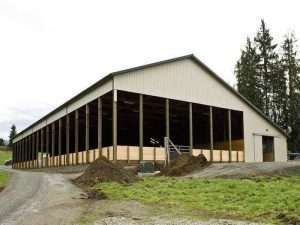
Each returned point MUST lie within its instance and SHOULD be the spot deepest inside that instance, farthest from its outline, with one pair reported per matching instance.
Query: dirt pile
(102, 170)
(185, 164)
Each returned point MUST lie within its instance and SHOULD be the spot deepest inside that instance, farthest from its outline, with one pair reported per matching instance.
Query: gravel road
(49, 198)
(39, 198)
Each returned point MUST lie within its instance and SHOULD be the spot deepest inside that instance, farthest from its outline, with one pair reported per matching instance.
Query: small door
(268, 148)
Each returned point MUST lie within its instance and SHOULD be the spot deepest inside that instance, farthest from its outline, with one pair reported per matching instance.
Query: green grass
(4, 177)
(4, 155)
(263, 199)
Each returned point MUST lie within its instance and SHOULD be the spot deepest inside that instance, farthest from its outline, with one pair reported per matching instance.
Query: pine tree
(266, 69)
(246, 74)
(12, 134)
(2, 142)
(279, 100)
(290, 63)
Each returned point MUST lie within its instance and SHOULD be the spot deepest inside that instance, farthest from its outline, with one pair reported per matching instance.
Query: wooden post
(115, 126)
(27, 152)
(16, 155)
(76, 135)
(13, 156)
(167, 118)
(87, 132)
(42, 148)
(128, 154)
(21, 153)
(229, 135)
(53, 145)
(24, 153)
(37, 149)
(30, 165)
(99, 127)
(191, 127)
(211, 132)
(34, 148)
(47, 146)
(68, 139)
(59, 141)
(141, 127)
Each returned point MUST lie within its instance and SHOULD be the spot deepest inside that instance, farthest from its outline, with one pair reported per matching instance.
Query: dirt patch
(185, 164)
(286, 219)
(102, 170)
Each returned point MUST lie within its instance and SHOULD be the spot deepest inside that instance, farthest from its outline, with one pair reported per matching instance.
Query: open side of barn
(126, 115)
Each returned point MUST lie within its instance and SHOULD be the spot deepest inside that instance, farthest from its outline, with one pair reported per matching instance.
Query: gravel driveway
(42, 198)
(39, 198)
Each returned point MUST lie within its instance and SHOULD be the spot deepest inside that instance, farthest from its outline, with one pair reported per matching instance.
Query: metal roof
(190, 56)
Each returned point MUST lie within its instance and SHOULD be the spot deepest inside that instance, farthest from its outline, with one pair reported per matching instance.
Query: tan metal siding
(187, 81)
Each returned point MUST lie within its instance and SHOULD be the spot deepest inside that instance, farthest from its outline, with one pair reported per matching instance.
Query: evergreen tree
(279, 100)
(246, 74)
(12, 134)
(266, 67)
(2, 142)
(291, 67)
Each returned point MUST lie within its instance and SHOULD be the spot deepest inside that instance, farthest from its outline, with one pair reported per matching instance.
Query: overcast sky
(51, 50)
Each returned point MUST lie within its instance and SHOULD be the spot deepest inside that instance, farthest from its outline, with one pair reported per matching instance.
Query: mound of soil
(102, 170)
(185, 164)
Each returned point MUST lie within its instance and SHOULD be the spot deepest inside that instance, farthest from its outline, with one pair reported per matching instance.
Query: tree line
(12, 134)
(268, 75)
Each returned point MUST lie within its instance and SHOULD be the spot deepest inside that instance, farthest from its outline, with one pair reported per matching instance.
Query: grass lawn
(4, 155)
(4, 176)
(263, 199)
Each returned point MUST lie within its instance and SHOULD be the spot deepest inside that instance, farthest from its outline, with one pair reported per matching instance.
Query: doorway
(268, 148)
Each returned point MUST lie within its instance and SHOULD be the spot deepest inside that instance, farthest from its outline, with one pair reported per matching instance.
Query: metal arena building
(127, 115)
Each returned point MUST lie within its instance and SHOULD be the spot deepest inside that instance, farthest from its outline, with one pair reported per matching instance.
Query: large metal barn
(127, 115)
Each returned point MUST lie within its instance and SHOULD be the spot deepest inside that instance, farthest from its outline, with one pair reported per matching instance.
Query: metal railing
(172, 150)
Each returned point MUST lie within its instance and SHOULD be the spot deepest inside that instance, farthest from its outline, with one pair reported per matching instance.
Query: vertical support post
(99, 127)
(141, 127)
(211, 132)
(229, 135)
(33, 149)
(87, 132)
(30, 160)
(115, 126)
(68, 139)
(18, 155)
(191, 127)
(167, 118)
(21, 153)
(24, 153)
(42, 147)
(27, 152)
(13, 156)
(47, 146)
(76, 136)
(37, 149)
(59, 141)
(53, 144)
